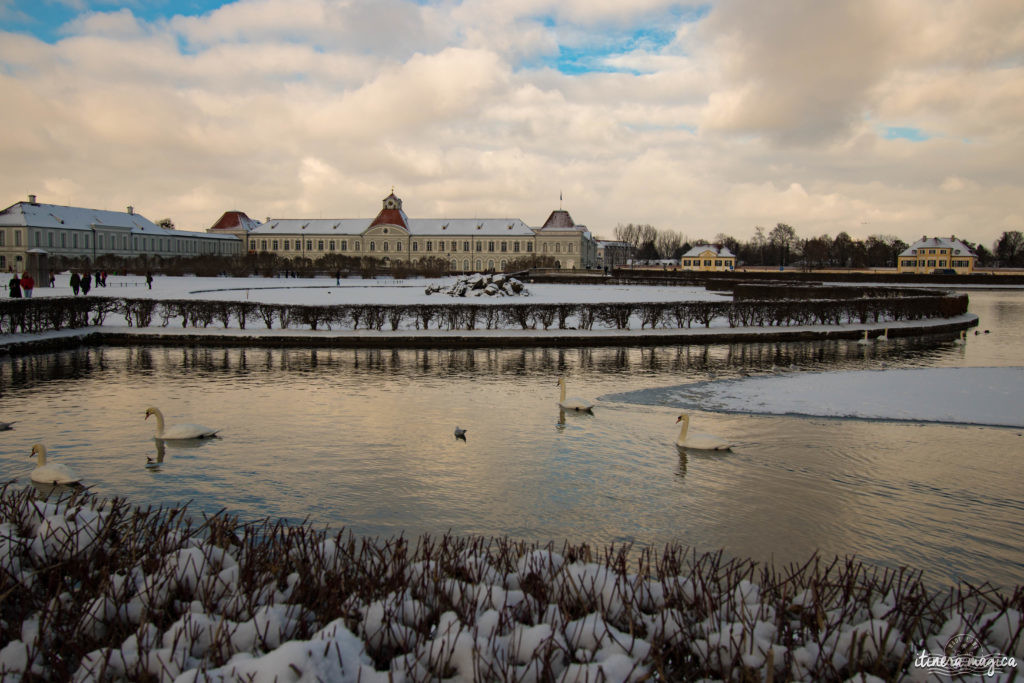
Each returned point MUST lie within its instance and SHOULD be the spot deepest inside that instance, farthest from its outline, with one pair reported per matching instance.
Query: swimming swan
(962, 339)
(864, 339)
(884, 337)
(52, 473)
(698, 441)
(573, 403)
(182, 431)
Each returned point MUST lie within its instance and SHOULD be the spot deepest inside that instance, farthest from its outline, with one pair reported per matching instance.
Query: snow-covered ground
(978, 396)
(326, 291)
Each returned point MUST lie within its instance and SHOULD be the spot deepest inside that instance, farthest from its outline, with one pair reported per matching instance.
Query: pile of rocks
(479, 284)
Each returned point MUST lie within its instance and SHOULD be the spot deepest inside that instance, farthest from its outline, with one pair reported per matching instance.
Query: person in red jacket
(27, 285)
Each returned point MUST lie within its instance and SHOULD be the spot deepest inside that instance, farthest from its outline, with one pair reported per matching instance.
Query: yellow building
(708, 257)
(466, 244)
(937, 254)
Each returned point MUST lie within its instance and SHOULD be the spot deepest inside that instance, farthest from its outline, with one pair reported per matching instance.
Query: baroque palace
(466, 244)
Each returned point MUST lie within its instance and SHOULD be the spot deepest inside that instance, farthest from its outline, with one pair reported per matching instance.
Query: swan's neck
(683, 429)
(41, 457)
(561, 398)
(159, 422)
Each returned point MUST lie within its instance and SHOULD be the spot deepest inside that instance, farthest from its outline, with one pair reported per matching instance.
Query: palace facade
(32, 233)
(466, 244)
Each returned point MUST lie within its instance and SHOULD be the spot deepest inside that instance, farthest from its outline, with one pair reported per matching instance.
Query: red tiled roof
(232, 220)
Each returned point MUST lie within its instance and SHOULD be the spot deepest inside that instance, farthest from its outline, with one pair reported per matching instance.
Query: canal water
(364, 439)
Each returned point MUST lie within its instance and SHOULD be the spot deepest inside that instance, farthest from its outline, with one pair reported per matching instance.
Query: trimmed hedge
(41, 315)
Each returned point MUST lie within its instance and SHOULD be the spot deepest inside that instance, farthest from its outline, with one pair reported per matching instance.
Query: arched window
(465, 264)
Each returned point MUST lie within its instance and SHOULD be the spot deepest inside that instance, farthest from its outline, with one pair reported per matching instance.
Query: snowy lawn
(326, 291)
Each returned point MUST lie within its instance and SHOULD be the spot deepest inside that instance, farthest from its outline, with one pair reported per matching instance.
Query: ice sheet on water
(975, 396)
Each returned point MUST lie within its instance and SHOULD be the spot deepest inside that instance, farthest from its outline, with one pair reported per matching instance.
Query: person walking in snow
(15, 286)
(149, 279)
(76, 282)
(86, 282)
(27, 285)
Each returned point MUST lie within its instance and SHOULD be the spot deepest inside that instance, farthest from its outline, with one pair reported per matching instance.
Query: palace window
(455, 247)
(273, 245)
(398, 246)
(286, 245)
(330, 245)
(344, 245)
(385, 246)
(430, 245)
(490, 246)
(515, 247)
(355, 246)
(263, 245)
(465, 247)
(479, 247)
(415, 246)
(504, 246)
(309, 245)
(529, 247)
(558, 247)
(373, 246)
(319, 245)
(63, 240)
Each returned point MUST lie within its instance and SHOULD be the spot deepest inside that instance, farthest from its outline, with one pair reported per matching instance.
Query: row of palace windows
(81, 241)
(331, 245)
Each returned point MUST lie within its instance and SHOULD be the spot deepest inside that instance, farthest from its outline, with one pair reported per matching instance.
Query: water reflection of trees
(697, 360)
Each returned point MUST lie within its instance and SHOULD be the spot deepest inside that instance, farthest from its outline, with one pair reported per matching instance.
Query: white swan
(864, 339)
(884, 337)
(573, 403)
(51, 473)
(962, 339)
(698, 441)
(182, 431)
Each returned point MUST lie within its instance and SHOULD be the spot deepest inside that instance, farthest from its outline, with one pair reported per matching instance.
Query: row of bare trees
(781, 246)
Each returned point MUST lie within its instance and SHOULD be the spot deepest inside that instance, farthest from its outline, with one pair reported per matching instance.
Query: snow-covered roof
(717, 249)
(35, 215)
(235, 220)
(953, 243)
(440, 227)
(492, 227)
(312, 226)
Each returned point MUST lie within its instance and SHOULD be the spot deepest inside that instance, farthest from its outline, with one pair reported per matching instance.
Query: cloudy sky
(894, 117)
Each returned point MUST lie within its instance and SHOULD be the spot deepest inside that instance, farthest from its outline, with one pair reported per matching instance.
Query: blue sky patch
(905, 133)
(45, 18)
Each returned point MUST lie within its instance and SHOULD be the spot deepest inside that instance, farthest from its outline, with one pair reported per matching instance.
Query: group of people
(21, 286)
(80, 282)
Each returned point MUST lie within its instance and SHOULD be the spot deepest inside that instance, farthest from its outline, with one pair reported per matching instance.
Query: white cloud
(755, 114)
